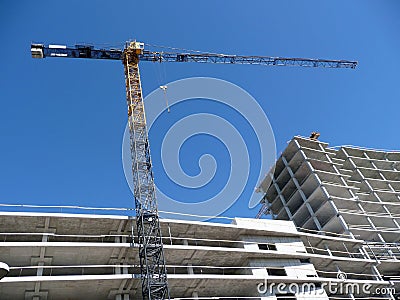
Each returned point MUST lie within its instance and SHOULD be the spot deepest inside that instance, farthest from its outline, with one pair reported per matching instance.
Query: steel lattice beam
(84, 51)
(151, 254)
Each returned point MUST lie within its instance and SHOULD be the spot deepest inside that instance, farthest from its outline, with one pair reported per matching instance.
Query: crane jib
(87, 51)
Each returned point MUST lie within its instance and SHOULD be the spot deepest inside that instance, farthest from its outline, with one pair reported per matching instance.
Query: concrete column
(327, 249)
(190, 269)
(376, 272)
(121, 270)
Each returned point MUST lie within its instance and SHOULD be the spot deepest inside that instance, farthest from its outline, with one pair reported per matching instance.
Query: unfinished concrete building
(76, 256)
(347, 193)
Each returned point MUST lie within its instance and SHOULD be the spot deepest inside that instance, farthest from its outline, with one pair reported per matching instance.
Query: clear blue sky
(62, 121)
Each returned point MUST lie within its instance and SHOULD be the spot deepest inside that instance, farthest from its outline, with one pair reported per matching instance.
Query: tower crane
(151, 253)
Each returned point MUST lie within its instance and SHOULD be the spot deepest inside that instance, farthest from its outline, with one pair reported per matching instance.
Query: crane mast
(151, 254)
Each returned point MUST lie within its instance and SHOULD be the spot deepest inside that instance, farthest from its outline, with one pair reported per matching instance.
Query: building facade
(76, 256)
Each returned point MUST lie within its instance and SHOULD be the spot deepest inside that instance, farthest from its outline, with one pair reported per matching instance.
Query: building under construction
(347, 193)
(65, 256)
(335, 214)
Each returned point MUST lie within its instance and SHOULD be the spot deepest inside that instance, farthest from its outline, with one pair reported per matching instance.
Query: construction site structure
(64, 256)
(349, 194)
(334, 214)
(153, 270)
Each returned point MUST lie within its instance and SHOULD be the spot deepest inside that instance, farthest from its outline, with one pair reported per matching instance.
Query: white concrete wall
(265, 224)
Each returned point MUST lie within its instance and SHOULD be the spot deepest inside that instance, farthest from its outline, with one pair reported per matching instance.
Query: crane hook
(164, 88)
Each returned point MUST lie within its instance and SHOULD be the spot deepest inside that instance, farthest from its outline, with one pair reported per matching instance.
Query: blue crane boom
(87, 51)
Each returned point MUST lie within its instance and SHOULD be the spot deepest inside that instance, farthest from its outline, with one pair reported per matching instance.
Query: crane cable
(161, 78)
(175, 48)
